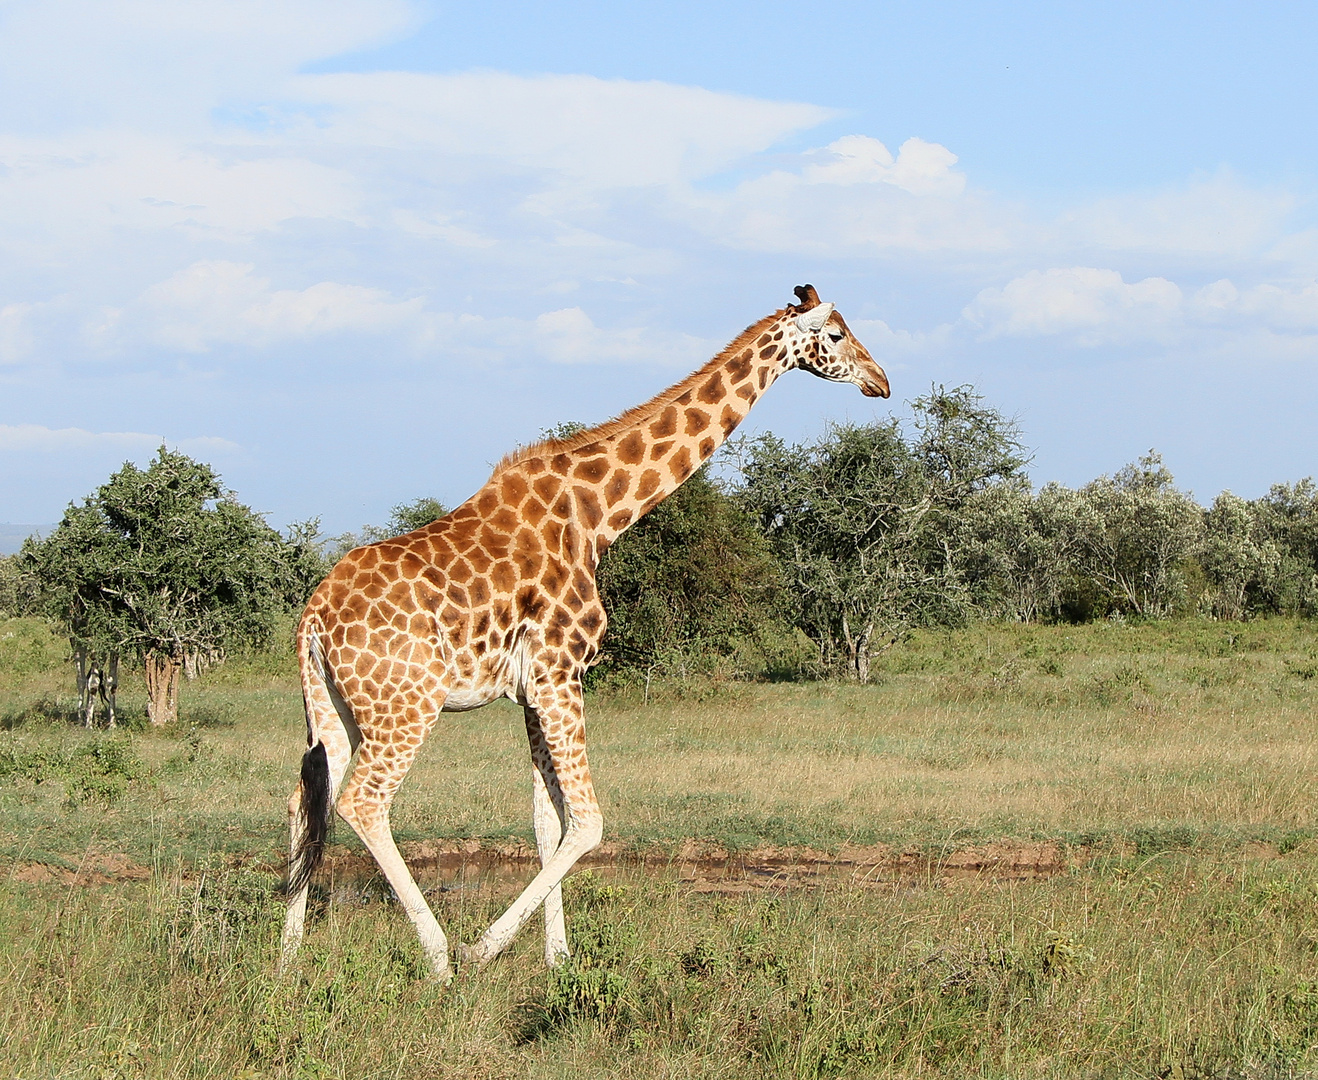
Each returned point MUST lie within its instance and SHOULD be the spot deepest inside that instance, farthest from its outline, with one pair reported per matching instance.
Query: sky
(351, 253)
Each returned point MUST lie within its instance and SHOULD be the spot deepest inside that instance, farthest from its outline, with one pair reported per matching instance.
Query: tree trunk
(863, 653)
(162, 671)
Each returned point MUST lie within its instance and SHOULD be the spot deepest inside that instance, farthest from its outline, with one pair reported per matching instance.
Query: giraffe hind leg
(558, 708)
(365, 804)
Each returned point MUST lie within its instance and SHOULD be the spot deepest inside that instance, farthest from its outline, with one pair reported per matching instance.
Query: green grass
(1168, 966)
(1180, 757)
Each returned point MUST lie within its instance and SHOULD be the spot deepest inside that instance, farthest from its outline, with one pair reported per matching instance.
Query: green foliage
(19, 589)
(1018, 549)
(692, 582)
(404, 518)
(97, 771)
(166, 561)
(1241, 563)
(1288, 520)
(415, 515)
(863, 520)
(1139, 531)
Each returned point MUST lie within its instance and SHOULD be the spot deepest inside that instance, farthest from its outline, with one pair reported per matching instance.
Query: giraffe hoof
(473, 955)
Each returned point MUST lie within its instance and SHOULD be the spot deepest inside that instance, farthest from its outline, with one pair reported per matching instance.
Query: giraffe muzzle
(876, 385)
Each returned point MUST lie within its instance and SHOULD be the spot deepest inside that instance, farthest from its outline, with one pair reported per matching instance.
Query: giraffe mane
(624, 421)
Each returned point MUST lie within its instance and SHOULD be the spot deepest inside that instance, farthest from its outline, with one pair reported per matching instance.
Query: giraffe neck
(617, 472)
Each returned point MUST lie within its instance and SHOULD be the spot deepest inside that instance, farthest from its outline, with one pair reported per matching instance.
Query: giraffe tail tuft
(310, 847)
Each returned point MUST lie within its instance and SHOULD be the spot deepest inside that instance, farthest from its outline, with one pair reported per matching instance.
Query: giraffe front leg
(548, 816)
(558, 707)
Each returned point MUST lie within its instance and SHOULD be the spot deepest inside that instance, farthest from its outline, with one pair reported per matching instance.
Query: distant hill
(12, 535)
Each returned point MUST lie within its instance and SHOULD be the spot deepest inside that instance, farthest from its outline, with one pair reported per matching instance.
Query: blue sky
(351, 253)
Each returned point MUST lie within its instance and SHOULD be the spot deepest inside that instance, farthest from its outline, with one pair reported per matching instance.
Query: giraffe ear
(814, 319)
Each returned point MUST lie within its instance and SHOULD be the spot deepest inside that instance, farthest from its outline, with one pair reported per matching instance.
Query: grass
(1180, 756)
(1172, 966)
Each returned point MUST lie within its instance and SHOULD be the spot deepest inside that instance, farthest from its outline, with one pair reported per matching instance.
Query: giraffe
(498, 599)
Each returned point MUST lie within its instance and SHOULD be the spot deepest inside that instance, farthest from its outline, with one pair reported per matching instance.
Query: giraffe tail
(309, 848)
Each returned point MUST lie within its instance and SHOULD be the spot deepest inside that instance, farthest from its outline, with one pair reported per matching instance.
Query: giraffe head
(818, 341)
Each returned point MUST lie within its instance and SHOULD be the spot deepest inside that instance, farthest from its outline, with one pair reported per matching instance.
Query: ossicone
(807, 295)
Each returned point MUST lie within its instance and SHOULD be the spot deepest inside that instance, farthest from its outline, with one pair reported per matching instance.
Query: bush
(691, 584)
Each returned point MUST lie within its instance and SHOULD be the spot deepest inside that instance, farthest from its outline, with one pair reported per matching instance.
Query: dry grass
(1078, 733)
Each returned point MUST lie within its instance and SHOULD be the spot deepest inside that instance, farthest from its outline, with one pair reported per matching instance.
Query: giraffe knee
(587, 832)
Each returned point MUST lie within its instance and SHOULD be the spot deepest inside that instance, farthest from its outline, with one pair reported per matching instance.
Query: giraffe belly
(464, 699)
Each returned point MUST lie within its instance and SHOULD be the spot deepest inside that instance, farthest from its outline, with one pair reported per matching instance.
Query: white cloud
(597, 133)
(37, 439)
(1212, 217)
(75, 64)
(218, 302)
(33, 438)
(884, 341)
(570, 336)
(853, 198)
(1278, 307)
(15, 333)
(215, 303)
(1096, 304)
(922, 168)
(71, 193)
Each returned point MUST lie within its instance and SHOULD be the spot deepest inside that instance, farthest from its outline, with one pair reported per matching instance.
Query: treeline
(814, 558)
(796, 561)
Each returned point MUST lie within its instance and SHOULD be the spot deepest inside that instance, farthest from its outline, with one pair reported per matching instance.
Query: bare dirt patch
(496, 868)
(109, 868)
(707, 868)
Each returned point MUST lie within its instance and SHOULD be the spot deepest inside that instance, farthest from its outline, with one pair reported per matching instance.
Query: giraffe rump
(315, 810)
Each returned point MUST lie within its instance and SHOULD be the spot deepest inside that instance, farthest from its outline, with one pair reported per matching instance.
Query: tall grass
(1167, 966)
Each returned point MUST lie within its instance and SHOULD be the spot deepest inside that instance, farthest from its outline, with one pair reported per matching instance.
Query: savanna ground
(1058, 851)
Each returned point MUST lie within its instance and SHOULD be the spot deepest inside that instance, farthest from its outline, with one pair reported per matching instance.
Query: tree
(1288, 517)
(415, 515)
(404, 518)
(165, 565)
(18, 588)
(1241, 563)
(1141, 530)
(868, 523)
(692, 580)
(1019, 548)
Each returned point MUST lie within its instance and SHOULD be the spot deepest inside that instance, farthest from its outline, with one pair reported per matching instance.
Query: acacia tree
(1288, 518)
(867, 521)
(164, 564)
(18, 588)
(1142, 529)
(1241, 563)
(1020, 548)
(402, 519)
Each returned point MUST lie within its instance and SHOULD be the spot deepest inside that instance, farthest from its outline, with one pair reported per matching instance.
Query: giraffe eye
(834, 337)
